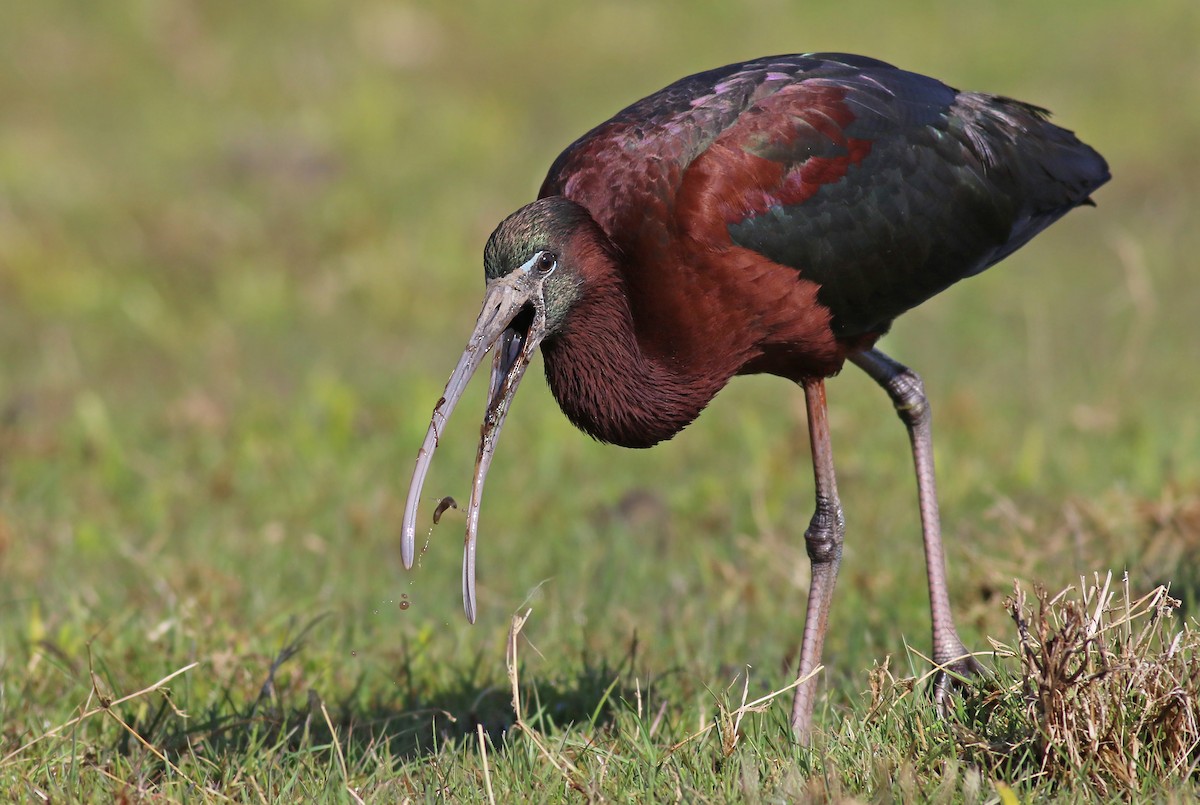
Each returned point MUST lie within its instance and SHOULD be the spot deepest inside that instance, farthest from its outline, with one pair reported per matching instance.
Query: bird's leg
(907, 391)
(823, 539)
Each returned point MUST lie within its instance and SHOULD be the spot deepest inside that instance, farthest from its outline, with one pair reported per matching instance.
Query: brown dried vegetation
(1100, 692)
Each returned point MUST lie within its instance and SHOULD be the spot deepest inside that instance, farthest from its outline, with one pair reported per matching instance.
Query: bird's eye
(546, 262)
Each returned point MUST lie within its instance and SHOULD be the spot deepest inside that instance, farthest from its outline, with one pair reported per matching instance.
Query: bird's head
(538, 249)
(534, 263)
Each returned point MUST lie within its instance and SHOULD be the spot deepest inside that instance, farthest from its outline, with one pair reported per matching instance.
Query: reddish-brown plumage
(729, 183)
(636, 377)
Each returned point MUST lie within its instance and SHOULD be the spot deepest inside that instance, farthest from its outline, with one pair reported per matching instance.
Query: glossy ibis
(770, 216)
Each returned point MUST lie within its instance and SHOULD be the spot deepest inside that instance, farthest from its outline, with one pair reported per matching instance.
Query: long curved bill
(506, 298)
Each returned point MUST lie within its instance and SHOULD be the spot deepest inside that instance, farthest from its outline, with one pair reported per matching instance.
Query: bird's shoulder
(774, 113)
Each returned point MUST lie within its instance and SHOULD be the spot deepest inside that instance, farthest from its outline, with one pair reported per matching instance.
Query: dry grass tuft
(1105, 695)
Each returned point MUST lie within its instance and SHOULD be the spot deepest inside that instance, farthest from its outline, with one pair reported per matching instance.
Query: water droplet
(404, 605)
(353, 653)
(377, 612)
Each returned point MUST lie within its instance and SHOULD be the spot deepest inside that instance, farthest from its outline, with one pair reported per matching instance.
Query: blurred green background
(240, 251)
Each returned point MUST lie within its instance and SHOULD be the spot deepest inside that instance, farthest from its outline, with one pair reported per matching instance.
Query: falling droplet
(428, 536)
(353, 653)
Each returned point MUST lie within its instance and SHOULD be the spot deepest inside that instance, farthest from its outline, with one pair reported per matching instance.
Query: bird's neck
(608, 385)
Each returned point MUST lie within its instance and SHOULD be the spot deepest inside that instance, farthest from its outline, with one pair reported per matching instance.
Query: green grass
(239, 253)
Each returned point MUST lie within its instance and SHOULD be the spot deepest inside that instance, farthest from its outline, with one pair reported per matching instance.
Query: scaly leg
(823, 539)
(907, 391)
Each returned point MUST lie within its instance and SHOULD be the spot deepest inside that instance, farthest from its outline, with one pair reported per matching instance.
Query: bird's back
(882, 186)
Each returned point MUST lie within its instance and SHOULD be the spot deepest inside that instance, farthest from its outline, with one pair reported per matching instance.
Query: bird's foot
(952, 674)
